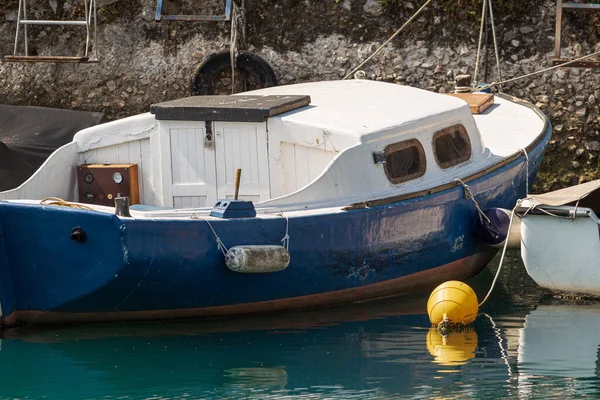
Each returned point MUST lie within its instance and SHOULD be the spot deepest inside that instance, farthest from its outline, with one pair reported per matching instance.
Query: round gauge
(89, 197)
(117, 177)
(88, 178)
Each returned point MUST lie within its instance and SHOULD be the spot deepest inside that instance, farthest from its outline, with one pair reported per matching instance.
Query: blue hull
(141, 269)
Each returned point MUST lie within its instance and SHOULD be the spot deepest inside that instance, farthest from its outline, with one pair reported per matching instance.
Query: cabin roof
(362, 107)
(227, 108)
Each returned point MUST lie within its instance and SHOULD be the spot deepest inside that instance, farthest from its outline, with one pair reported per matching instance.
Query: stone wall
(143, 62)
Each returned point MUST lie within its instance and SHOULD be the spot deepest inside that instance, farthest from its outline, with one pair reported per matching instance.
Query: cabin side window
(451, 146)
(404, 161)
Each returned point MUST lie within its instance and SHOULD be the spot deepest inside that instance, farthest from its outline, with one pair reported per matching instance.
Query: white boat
(560, 238)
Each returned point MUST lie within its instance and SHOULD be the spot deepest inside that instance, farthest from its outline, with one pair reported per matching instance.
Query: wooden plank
(56, 59)
(478, 102)
(558, 30)
(578, 64)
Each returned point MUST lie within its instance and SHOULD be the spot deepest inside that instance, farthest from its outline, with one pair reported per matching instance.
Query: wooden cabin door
(188, 161)
(242, 145)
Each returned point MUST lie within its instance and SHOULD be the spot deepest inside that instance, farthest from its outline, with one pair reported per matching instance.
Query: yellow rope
(55, 201)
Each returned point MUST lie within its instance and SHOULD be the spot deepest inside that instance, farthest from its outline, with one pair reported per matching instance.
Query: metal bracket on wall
(571, 6)
(223, 17)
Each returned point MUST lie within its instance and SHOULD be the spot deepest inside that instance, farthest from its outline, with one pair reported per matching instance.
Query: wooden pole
(238, 176)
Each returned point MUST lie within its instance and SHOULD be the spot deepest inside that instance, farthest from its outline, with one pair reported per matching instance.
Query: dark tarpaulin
(28, 135)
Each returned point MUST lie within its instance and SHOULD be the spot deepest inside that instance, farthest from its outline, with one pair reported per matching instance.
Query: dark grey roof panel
(228, 108)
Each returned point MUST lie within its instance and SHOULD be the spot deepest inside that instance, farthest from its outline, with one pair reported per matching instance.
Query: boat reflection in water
(369, 350)
(559, 347)
(561, 340)
(376, 350)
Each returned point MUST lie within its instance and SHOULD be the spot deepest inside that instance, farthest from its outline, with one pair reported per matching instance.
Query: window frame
(394, 147)
(456, 161)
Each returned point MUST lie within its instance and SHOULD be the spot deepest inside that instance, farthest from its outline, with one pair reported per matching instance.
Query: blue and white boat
(353, 190)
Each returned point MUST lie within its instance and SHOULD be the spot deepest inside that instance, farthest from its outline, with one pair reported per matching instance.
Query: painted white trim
(116, 132)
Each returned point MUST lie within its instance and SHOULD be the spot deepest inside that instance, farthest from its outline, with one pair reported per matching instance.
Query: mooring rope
(238, 36)
(512, 215)
(389, 40)
(480, 42)
(538, 72)
(524, 151)
(469, 195)
(495, 42)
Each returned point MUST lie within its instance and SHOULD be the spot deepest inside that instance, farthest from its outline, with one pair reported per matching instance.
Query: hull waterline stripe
(459, 269)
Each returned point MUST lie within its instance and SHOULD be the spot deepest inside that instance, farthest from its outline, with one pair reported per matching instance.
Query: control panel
(101, 183)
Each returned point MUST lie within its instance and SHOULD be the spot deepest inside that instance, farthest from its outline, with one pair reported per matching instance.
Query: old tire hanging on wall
(254, 67)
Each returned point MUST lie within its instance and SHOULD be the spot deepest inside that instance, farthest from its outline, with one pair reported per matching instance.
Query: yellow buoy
(454, 301)
(454, 349)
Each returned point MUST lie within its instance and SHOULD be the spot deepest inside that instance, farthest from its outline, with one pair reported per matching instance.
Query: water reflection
(561, 340)
(454, 349)
(379, 350)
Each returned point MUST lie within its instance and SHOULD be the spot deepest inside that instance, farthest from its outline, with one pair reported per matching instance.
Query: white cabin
(351, 141)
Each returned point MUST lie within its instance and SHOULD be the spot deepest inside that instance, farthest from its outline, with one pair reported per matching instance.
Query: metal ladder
(571, 6)
(224, 17)
(90, 26)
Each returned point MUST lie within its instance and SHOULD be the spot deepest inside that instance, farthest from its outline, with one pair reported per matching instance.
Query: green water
(528, 345)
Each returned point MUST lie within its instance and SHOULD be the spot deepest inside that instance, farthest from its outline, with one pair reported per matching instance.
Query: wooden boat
(560, 243)
(350, 191)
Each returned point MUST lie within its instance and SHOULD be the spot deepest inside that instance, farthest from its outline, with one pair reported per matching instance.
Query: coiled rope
(55, 201)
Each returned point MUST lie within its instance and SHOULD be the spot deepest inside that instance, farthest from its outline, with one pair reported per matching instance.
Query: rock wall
(143, 61)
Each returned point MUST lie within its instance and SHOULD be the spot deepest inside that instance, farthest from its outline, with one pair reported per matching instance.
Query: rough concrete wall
(144, 62)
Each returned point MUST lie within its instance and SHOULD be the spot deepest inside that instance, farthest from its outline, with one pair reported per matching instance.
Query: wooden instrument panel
(101, 183)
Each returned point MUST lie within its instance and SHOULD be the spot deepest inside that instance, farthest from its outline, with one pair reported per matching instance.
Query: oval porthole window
(451, 146)
(404, 161)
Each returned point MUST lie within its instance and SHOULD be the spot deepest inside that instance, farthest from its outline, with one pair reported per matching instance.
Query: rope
(480, 44)
(470, 196)
(220, 245)
(526, 171)
(238, 37)
(512, 215)
(487, 3)
(55, 201)
(285, 242)
(495, 43)
(538, 72)
(389, 40)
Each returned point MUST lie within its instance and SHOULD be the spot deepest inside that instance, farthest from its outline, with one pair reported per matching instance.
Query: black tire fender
(213, 65)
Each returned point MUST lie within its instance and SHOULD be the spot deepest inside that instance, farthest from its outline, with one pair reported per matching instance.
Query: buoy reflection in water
(454, 349)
